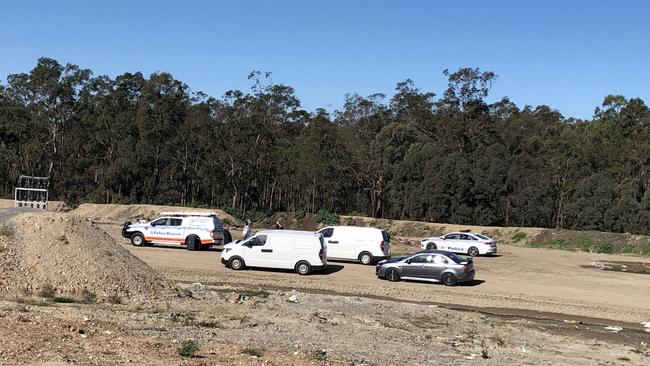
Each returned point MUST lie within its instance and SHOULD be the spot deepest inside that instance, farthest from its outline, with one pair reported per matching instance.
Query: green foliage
(326, 217)
(645, 249)
(188, 348)
(627, 249)
(210, 324)
(518, 236)
(458, 157)
(253, 351)
(62, 299)
(350, 222)
(605, 248)
(300, 214)
(253, 216)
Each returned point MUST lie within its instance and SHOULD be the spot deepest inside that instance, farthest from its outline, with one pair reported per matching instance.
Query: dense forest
(448, 157)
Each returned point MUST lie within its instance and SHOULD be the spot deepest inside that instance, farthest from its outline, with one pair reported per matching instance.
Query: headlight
(381, 262)
(226, 250)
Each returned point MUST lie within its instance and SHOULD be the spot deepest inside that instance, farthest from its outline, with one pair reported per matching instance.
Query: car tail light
(382, 246)
(212, 234)
(321, 255)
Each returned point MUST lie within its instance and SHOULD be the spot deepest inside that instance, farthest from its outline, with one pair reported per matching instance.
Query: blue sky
(566, 54)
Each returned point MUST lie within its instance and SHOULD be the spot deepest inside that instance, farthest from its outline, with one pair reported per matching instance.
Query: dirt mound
(55, 206)
(117, 214)
(70, 255)
(289, 221)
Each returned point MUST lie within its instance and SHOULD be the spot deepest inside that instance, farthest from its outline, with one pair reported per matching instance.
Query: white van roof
(293, 233)
(355, 228)
(188, 213)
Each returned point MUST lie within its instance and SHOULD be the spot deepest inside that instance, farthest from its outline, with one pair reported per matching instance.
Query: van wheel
(448, 279)
(303, 268)
(392, 275)
(432, 246)
(473, 251)
(193, 243)
(138, 240)
(365, 258)
(236, 263)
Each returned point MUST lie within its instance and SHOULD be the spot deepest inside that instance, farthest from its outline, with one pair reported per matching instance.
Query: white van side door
(334, 248)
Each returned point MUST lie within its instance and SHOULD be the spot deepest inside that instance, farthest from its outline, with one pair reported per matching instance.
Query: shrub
(627, 249)
(210, 324)
(605, 248)
(518, 236)
(350, 222)
(326, 217)
(252, 351)
(88, 297)
(47, 291)
(585, 244)
(645, 249)
(188, 348)
(62, 299)
(114, 299)
(300, 214)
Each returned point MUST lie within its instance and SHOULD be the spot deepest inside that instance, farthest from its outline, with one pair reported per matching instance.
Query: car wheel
(448, 279)
(303, 268)
(392, 275)
(138, 240)
(236, 263)
(473, 251)
(365, 258)
(193, 243)
(432, 246)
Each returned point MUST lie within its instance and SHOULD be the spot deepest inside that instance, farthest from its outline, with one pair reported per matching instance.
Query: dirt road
(548, 282)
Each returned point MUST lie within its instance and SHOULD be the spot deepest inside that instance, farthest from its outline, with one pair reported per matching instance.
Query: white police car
(473, 244)
(195, 230)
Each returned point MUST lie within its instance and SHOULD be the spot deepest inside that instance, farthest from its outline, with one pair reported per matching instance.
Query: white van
(365, 244)
(302, 251)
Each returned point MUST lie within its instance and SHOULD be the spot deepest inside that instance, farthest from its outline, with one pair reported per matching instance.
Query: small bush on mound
(253, 351)
(518, 236)
(114, 299)
(88, 297)
(62, 299)
(326, 217)
(605, 248)
(627, 249)
(645, 249)
(299, 215)
(188, 348)
(350, 222)
(210, 324)
(47, 291)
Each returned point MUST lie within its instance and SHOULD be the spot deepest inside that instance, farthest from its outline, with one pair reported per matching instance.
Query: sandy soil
(527, 306)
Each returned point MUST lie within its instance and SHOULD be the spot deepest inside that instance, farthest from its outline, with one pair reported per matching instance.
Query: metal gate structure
(32, 192)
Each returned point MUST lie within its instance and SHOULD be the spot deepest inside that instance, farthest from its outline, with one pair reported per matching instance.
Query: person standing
(248, 231)
(278, 225)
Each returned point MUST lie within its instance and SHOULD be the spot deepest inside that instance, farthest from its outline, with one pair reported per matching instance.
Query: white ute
(473, 244)
(365, 244)
(195, 230)
(302, 251)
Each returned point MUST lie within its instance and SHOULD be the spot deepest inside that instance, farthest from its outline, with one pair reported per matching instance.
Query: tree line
(452, 157)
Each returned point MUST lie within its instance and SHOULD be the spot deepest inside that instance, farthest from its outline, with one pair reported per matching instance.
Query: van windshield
(386, 236)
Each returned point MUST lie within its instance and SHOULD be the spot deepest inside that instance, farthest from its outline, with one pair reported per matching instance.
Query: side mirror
(408, 261)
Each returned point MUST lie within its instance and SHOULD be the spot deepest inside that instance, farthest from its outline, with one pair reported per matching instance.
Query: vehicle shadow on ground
(471, 283)
(179, 247)
(329, 269)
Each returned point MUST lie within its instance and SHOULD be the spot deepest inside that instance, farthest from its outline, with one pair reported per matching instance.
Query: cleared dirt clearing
(519, 278)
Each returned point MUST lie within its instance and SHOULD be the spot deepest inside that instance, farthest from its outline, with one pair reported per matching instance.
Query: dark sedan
(428, 265)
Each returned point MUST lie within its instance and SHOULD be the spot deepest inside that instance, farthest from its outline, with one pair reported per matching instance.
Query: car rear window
(455, 258)
(386, 236)
(482, 237)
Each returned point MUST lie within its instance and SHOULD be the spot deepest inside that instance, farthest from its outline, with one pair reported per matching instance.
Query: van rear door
(386, 238)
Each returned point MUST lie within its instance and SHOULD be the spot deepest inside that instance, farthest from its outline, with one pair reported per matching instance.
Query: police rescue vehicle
(195, 230)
